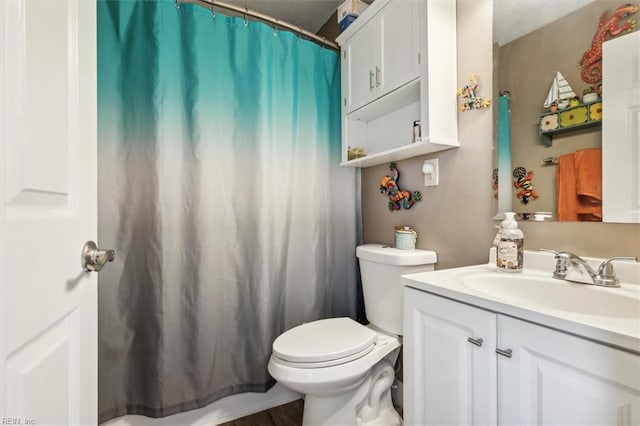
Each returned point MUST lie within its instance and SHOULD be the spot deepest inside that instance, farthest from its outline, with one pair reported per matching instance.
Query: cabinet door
(554, 378)
(447, 379)
(360, 69)
(399, 46)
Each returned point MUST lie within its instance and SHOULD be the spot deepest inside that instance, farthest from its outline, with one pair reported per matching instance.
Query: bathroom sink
(546, 292)
(603, 314)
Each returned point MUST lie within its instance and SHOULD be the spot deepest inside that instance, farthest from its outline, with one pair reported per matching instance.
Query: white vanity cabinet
(398, 65)
(550, 378)
(554, 378)
(448, 380)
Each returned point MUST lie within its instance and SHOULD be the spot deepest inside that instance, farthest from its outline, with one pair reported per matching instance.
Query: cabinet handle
(370, 80)
(477, 342)
(504, 352)
(377, 76)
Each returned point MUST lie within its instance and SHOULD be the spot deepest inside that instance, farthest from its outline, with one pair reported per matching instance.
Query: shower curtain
(505, 189)
(219, 188)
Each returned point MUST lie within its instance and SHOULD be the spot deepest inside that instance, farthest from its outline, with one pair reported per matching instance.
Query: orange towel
(588, 164)
(579, 186)
(566, 189)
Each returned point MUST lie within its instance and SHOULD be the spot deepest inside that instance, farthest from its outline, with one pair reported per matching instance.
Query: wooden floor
(283, 415)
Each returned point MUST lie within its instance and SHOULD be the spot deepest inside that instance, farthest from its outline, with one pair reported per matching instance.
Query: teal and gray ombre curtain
(220, 190)
(503, 153)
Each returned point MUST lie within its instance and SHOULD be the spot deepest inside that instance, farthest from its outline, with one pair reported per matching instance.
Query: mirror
(533, 42)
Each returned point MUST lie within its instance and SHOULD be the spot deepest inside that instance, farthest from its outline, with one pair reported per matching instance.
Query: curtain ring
(244, 15)
(177, 4)
(299, 33)
(324, 42)
(213, 13)
(275, 28)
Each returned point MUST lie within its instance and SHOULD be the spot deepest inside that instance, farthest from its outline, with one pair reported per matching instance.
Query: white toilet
(346, 369)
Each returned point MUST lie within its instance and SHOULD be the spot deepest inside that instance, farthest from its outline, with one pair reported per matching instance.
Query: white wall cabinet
(399, 46)
(399, 66)
(362, 59)
(550, 378)
(383, 55)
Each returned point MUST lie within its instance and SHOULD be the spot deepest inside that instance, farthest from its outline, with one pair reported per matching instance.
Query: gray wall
(330, 29)
(454, 219)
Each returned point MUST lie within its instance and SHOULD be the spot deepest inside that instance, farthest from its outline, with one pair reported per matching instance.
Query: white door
(399, 46)
(48, 209)
(554, 378)
(621, 129)
(449, 362)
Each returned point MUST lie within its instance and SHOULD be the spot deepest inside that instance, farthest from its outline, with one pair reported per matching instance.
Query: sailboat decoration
(565, 110)
(559, 91)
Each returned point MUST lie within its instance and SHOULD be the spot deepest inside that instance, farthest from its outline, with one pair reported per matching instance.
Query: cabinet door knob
(477, 342)
(504, 352)
(370, 80)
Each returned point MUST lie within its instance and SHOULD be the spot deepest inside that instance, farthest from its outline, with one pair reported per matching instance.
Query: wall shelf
(570, 119)
(400, 97)
(396, 154)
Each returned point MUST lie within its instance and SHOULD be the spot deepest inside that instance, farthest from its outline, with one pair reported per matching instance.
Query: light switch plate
(433, 178)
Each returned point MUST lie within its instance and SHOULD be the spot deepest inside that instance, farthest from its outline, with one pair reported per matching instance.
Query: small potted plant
(589, 95)
(575, 101)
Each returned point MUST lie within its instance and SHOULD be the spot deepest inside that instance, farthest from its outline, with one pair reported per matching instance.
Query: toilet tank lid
(387, 255)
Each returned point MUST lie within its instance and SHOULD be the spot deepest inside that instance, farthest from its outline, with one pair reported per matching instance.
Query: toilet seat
(324, 343)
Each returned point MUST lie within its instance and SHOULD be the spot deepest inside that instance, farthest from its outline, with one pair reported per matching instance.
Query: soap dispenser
(510, 252)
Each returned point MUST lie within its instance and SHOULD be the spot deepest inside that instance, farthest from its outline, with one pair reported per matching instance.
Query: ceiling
(512, 18)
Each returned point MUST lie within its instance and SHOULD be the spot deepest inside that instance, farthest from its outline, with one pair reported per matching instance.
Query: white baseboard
(227, 409)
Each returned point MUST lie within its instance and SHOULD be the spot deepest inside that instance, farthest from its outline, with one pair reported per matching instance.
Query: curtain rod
(264, 18)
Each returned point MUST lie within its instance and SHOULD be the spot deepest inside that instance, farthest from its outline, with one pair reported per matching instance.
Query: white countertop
(597, 322)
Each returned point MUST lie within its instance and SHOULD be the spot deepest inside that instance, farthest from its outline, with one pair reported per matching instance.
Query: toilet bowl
(345, 369)
(338, 381)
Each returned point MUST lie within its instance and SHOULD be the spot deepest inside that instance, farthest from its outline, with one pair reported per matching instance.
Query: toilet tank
(380, 270)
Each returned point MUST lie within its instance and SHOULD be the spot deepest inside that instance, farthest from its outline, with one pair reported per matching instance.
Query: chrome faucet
(605, 275)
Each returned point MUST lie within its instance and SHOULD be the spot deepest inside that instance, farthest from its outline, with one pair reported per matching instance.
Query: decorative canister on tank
(406, 238)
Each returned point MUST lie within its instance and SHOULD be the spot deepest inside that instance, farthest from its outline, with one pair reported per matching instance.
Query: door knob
(93, 258)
